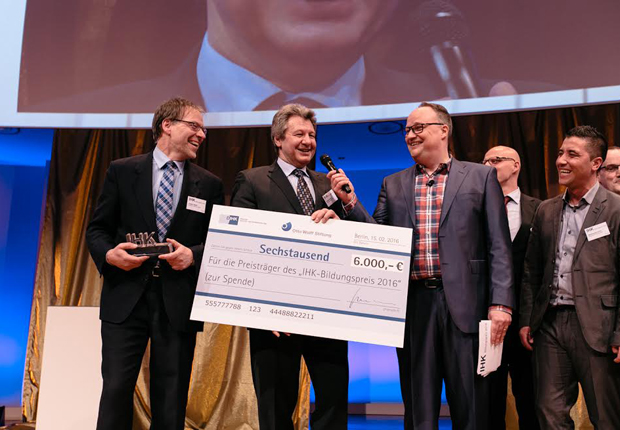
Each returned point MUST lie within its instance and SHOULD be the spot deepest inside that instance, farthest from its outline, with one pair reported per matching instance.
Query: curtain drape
(221, 392)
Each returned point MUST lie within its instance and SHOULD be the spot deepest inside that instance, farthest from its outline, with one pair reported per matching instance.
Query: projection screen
(109, 63)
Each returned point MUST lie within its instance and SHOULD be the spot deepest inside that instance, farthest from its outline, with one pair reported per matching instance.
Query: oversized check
(278, 271)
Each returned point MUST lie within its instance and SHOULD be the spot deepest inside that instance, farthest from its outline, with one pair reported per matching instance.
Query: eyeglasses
(419, 127)
(193, 125)
(611, 168)
(496, 160)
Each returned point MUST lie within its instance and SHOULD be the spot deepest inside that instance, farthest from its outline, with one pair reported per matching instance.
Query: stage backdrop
(24, 163)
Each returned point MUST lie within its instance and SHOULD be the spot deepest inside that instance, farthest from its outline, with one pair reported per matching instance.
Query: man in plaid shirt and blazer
(461, 270)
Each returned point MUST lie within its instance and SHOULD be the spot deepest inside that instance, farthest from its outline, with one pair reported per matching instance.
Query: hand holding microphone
(341, 185)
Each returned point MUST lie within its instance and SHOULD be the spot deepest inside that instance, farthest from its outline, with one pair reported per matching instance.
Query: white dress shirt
(159, 160)
(288, 169)
(513, 209)
(228, 87)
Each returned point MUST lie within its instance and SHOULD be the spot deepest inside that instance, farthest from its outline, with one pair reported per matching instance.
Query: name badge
(597, 231)
(330, 197)
(195, 204)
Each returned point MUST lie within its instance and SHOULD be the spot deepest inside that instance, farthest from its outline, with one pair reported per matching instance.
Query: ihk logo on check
(287, 226)
(229, 219)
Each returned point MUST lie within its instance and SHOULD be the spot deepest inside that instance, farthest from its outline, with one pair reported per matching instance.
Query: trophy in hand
(147, 245)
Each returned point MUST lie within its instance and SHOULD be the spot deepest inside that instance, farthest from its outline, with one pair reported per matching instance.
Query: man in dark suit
(520, 209)
(289, 186)
(461, 269)
(569, 299)
(150, 298)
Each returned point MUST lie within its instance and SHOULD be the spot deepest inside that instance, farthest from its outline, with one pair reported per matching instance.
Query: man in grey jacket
(569, 296)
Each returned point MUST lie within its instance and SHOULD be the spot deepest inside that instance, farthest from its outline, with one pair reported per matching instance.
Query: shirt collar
(288, 168)
(588, 197)
(217, 75)
(442, 168)
(161, 159)
(515, 195)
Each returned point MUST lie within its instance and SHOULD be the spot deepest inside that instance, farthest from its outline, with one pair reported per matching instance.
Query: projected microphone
(326, 161)
(445, 34)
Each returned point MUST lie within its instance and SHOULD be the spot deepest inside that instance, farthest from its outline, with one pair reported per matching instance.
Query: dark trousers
(275, 371)
(562, 359)
(404, 370)
(440, 351)
(172, 353)
(517, 361)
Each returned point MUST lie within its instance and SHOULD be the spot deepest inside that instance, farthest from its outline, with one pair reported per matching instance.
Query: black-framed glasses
(496, 160)
(611, 168)
(193, 125)
(419, 127)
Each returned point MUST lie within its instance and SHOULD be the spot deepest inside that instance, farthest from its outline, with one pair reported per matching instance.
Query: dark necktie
(278, 100)
(506, 200)
(165, 198)
(303, 193)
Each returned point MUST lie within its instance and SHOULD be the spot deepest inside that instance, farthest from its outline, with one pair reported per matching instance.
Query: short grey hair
(280, 120)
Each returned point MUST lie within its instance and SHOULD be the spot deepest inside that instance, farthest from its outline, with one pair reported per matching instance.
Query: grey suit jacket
(595, 271)
(474, 239)
(267, 188)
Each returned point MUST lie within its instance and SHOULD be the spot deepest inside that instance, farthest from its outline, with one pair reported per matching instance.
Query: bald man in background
(515, 359)
(609, 174)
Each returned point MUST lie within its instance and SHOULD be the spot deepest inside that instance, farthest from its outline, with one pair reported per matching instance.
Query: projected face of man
(285, 40)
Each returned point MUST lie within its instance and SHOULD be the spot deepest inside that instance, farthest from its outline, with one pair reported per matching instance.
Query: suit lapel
(458, 173)
(189, 188)
(598, 205)
(320, 188)
(557, 221)
(407, 183)
(527, 213)
(277, 176)
(143, 190)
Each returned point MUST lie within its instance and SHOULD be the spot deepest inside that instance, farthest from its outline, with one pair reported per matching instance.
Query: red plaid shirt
(428, 201)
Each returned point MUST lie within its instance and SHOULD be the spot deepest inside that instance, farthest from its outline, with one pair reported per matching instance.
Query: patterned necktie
(163, 208)
(303, 193)
(278, 100)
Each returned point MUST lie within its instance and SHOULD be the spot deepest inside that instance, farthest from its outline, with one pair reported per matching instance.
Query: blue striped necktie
(165, 198)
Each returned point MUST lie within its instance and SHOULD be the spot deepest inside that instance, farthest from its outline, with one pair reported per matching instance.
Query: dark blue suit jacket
(474, 239)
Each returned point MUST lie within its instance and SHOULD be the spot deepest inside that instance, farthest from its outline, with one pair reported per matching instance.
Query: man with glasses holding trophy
(146, 238)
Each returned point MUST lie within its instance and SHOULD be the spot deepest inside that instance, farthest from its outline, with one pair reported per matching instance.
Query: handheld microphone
(329, 165)
(445, 33)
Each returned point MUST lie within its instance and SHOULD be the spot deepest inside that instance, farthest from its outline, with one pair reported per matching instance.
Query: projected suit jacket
(382, 85)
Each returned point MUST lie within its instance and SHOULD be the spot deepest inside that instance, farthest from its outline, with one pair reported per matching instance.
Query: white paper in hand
(489, 356)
